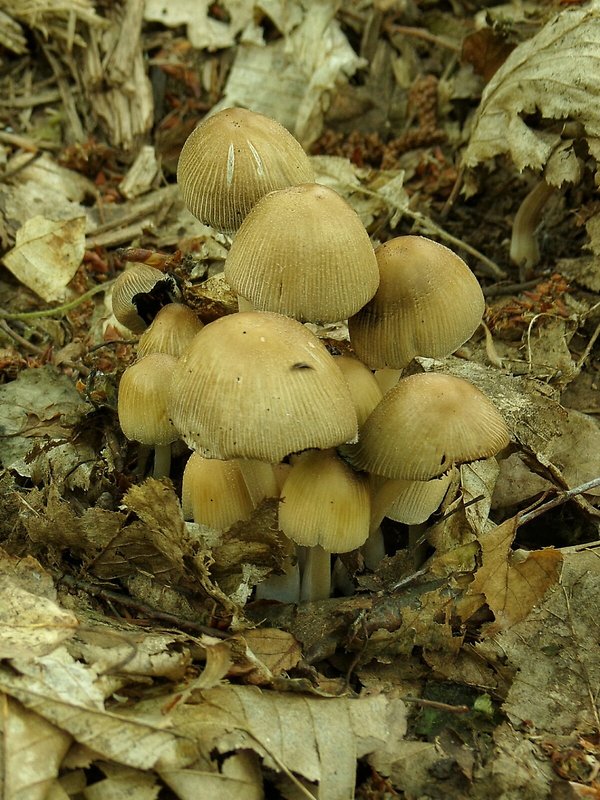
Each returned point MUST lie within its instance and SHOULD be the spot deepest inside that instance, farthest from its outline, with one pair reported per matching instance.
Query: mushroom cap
(139, 293)
(303, 252)
(215, 492)
(171, 331)
(428, 304)
(142, 400)
(234, 158)
(364, 389)
(417, 500)
(324, 502)
(260, 386)
(424, 425)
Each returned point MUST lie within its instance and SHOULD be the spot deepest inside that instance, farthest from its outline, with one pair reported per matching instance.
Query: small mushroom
(172, 330)
(234, 158)
(324, 506)
(214, 492)
(303, 252)
(139, 293)
(142, 407)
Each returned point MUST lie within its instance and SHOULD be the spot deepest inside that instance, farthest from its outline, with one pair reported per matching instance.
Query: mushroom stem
(524, 249)
(383, 497)
(162, 460)
(285, 588)
(417, 544)
(316, 578)
(373, 549)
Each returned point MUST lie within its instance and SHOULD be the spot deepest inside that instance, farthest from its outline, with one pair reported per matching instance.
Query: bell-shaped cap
(363, 386)
(234, 158)
(324, 502)
(139, 293)
(142, 400)
(259, 386)
(214, 492)
(428, 304)
(172, 330)
(424, 425)
(303, 252)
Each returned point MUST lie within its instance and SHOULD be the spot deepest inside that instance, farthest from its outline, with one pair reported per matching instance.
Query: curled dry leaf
(555, 75)
(512, 582)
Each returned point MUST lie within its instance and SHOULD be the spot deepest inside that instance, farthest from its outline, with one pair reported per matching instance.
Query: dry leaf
(33, 750)
(239, 778)
(263, 654)
(512, 582)
(555, 652)
(47, 255)
(555, 76)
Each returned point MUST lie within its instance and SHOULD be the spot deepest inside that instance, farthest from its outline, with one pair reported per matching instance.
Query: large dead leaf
(512, 582)
(553, 76)
(32, 751)
(556, 653)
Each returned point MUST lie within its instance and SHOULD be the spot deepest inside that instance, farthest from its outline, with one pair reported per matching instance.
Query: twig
(560, 498)
(421, 33)
(110, 596)
(58, 310)
(25, 343)
(420, 701)
(509, 288)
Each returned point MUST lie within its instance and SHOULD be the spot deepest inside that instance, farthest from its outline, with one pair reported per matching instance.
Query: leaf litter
(135, 659)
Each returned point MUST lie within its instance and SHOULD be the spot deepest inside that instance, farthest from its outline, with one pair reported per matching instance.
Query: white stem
(284, 588)
(524, 249)
(373, 549)
(162, 460)
(316, 579)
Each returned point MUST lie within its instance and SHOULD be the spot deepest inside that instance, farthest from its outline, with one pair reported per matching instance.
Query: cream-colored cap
(142, 400)
(139, 293)
(303, 252)
(424, 425)
(364, 389)
(234, 158)
(428, 304)
(215, 492)
(172, 330)
(259, 386)
(324, 502)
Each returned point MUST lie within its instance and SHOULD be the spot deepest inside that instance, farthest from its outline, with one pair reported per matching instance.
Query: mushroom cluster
(257, 388)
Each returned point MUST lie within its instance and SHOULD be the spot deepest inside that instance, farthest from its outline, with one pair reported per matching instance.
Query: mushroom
(172, 330)
(423, 426)
(259, 386)
(303, 252)
(325, 506)
(142, 407)
(234, 158)
(428, 304)
(364, 389)
(214, 492)
(139, 293)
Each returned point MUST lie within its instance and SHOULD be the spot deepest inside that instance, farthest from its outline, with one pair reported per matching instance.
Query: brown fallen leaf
(263, 654)
(512, 582)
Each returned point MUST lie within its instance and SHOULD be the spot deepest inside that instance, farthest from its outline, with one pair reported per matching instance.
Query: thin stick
(420, 701)
(560, 498)
(58, 310)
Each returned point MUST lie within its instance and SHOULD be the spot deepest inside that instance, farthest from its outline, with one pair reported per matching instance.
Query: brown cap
(260, 386)
(324, 502)
(234, 158)
(424, 425)
(142, 401)
(428, 304)
(172, 330)
(303, 252)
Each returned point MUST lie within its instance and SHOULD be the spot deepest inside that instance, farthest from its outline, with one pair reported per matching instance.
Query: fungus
(214, 492)
(139, 293)
(303, 252)
(324, 506)
(172, 330)
(364, 389)
(259, 386)
(142, 407)
(428, 304)
(234, 158)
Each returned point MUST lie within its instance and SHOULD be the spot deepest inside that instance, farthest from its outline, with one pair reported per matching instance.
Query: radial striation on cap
(428, 304)
(303, 252)
(234, 158)
(424, 425)
(260, 386)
